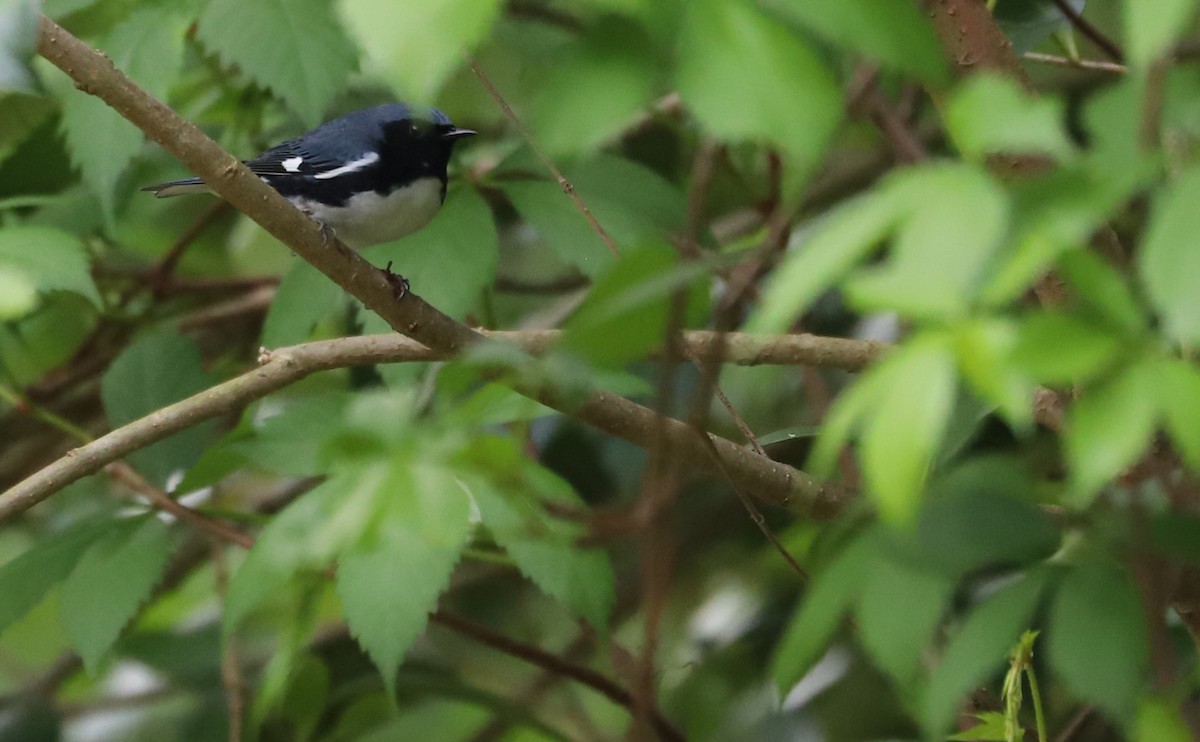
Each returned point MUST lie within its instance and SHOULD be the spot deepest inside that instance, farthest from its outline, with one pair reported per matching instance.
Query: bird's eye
(414, 130)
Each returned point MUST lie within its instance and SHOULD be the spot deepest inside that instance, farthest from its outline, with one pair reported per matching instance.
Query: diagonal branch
(406, 313)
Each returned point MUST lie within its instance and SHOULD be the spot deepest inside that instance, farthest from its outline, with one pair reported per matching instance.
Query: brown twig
(1082, 64)
(126, 474)
(566, 185)
(159, 276)
(231, 672)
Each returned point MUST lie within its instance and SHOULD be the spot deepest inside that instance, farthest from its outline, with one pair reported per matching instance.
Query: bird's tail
(178, 188)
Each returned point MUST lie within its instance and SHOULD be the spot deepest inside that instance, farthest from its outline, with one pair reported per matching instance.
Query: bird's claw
(398, 282)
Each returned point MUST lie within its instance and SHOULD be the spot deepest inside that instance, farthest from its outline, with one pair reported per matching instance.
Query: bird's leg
(398, 282)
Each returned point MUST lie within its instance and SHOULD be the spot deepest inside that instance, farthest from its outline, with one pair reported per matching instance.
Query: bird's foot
(398, 282)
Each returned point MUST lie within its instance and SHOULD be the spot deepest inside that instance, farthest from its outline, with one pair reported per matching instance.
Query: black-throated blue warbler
(371, 176)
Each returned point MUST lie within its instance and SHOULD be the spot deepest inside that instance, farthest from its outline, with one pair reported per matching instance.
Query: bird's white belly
(370, 219)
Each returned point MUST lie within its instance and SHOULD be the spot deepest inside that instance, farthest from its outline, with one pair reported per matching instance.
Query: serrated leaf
(18, 42)
(155, 371)
(294, 47)
(902, 435)
(748, 77)
(548, 210)
(25, 580)
(896, 639)
(110, 583)
(148, 47)
(896, 34)
(391, 580)
(832, 592)
(50, 259)
(980, 647)
(1170, 254)
(992, 727)
(418, 45)
(545, 549)
(1098, 606)
(992, 114)
(1153, 26)
(1107, 428)
(844, 237)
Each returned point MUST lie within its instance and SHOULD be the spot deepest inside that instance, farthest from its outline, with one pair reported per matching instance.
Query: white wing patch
(292, 164)
(350, 167)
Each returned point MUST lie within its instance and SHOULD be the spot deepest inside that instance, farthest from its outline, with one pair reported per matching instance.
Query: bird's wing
(293, 158)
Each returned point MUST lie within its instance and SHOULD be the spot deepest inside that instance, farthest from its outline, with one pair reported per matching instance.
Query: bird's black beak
(457, 133)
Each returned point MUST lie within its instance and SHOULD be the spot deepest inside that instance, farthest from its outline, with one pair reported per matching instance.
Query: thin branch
(551, 663)
(126, 474)
(1082, 64)
(405, 312)
(231, 672)
(162, 273)
(566, 185)
(1095, 35)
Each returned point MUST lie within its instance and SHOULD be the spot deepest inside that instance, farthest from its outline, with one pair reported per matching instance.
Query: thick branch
(94, 73)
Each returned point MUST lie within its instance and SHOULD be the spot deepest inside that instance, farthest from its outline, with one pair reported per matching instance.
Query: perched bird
(371, 176)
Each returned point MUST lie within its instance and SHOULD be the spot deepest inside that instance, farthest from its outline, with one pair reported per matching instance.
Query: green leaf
(148, 47)
(1159, 720)
(992, 114)
(1028, 23)
(1153, 26)
(451, 261)
(952, 220)
(18, 43)
(831, 593)
(390, 582)
(418, 45)
(979, 648)
(903, 432)
(548, 210)
(1170, 254)
(1103, 290)
(746, 76)
(18, 293)
(305, 298)
(546, 549)
(984, 348)
(1058, 347)
(294, 47)
(1178, 390)
(597, 88)
(896, 34)
(49, 259)
(632, 202)
(844, 237)
(157, 370)
(110, 583)
(1108, 428)
(23, 114)
(992, 727)
(25, 580)
(896, 639)
(1098, 606)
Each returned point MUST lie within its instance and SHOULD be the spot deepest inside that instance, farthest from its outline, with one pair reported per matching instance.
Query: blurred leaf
(745, 76)
(23, 114)
(18, 42)
(1159, 720)
(109, 584)
(148, 47)
(306, 60)
(896, 639)
(1103, 290)
(548, 210)
(1028, 23)
(633, 203)
(1178, 390)
(305, 297)
(1169, 256)
(830, 595)
(417, 45)
(844, 236)
(1057, 347)
(896, 34)
(49, 259)
(1151, 28)
(903, 432)
(991, 114)
(453, 260)
(952, 219)
(158, 369)
(26, 579)
(390, 581)
(992, 727)
(291, 432)
(1108, 428)
(979, 647)
(1098, 606)
(511, 496)
(598, 86)
(18, 293)
(984, 348)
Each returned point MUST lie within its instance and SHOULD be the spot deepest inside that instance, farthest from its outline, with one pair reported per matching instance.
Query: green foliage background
(766, 165)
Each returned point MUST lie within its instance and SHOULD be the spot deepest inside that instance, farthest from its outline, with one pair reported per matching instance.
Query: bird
(369, 177)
